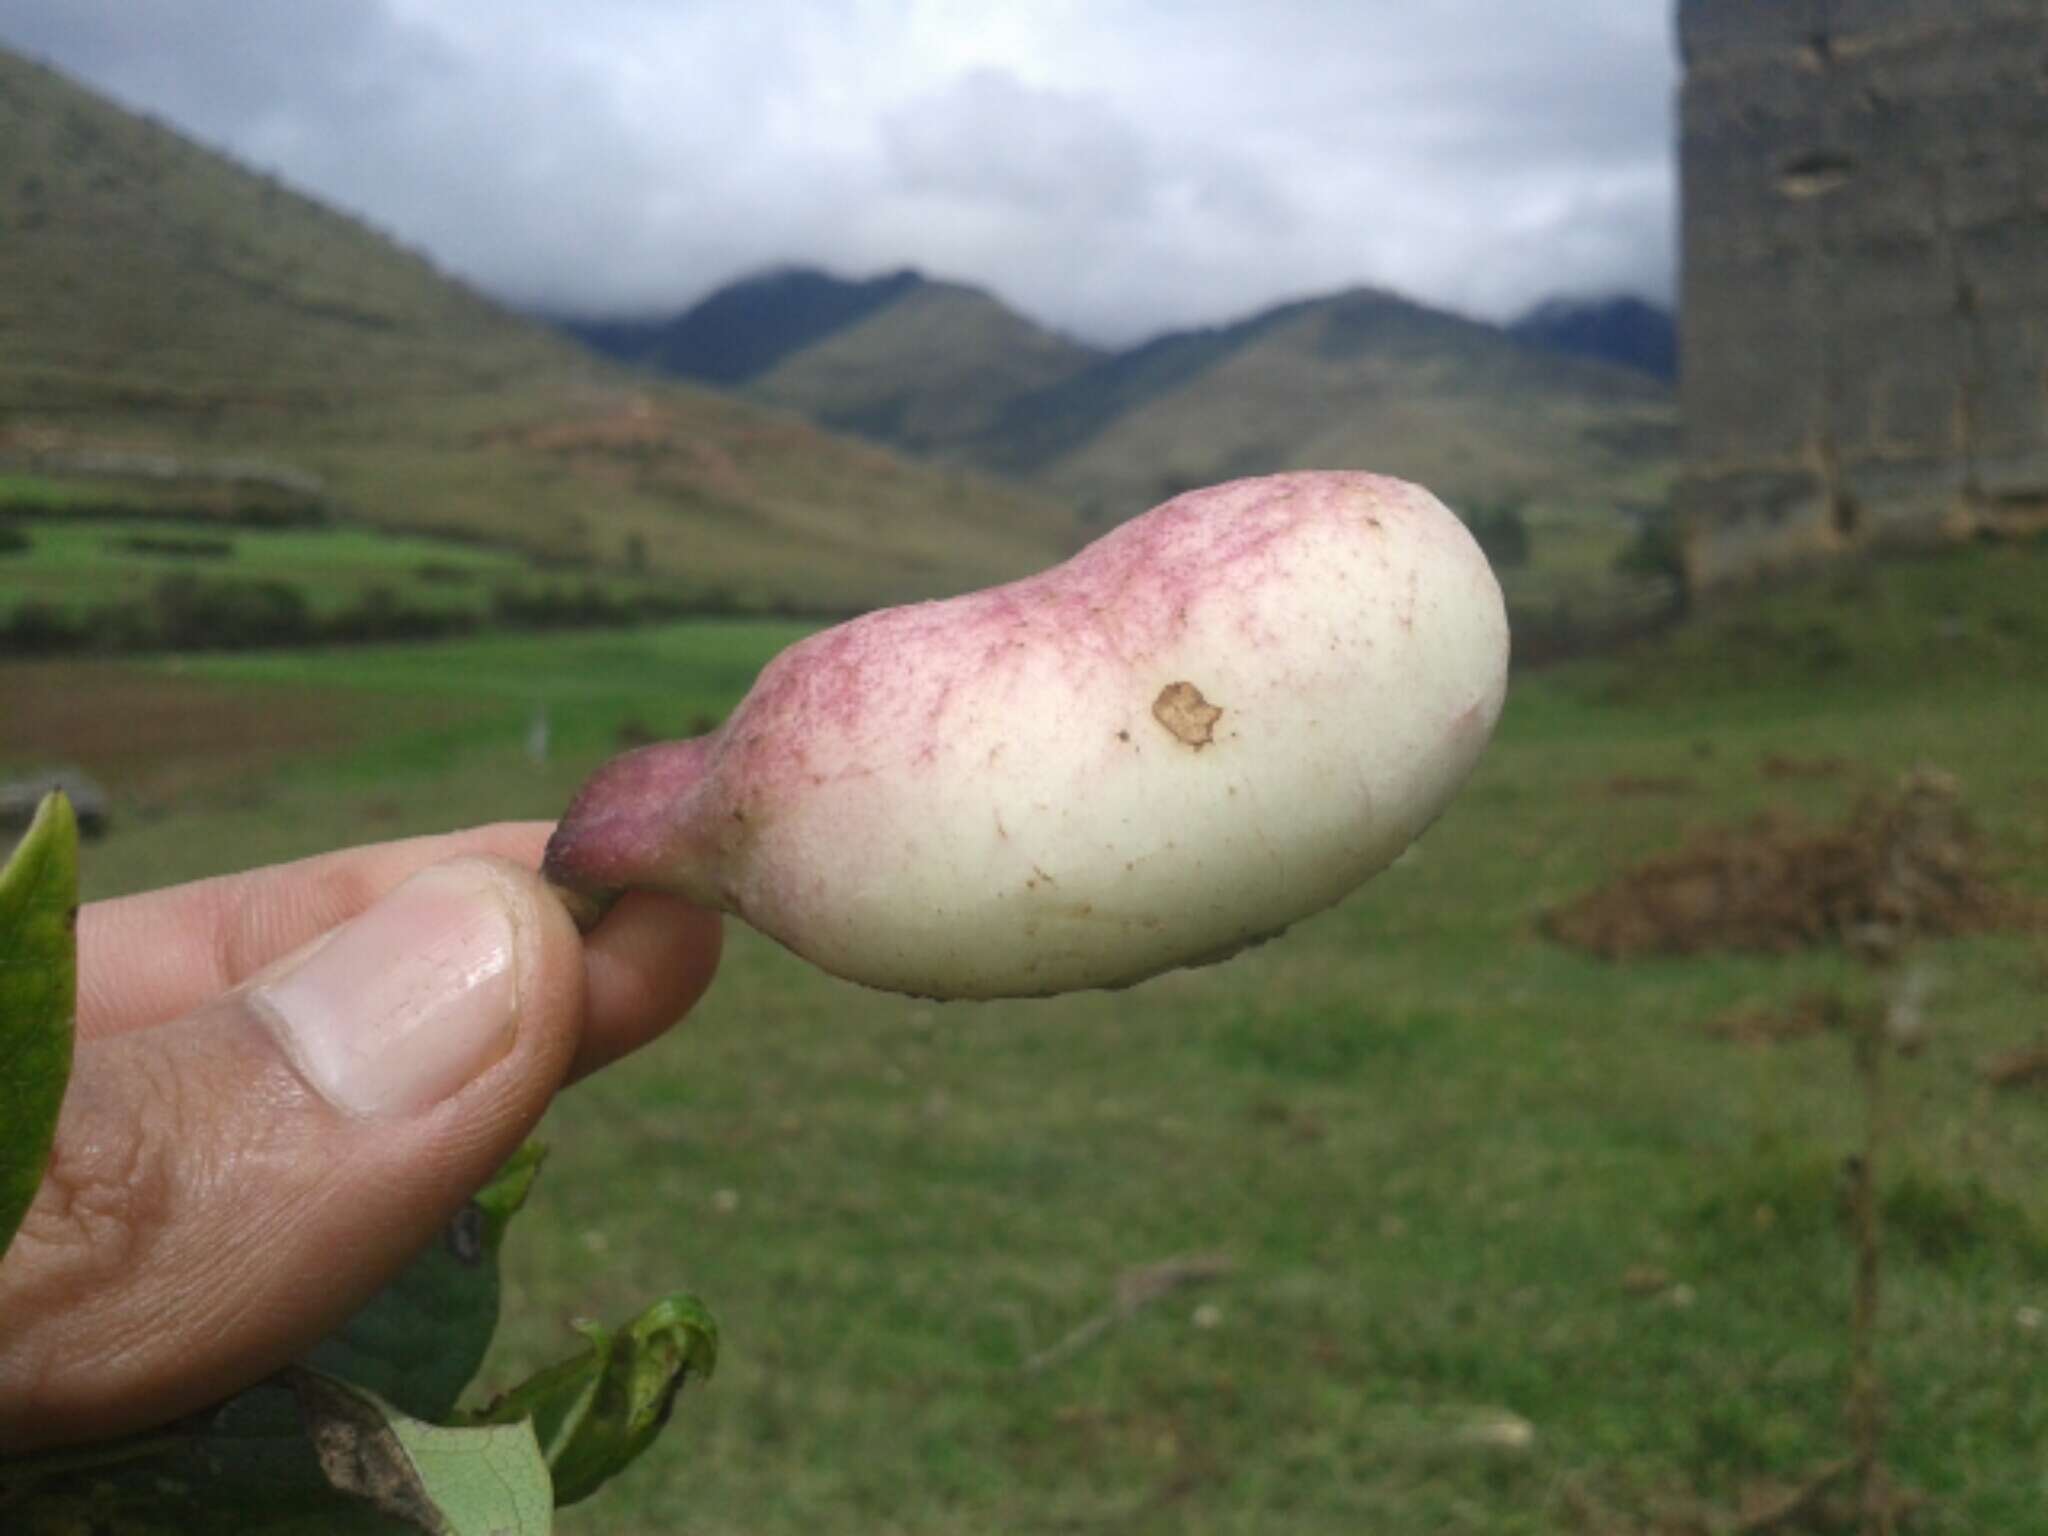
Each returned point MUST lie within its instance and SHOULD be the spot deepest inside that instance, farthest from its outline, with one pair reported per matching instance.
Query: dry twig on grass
(1795, 1507)
(1135, 1289)
(2022, 1068)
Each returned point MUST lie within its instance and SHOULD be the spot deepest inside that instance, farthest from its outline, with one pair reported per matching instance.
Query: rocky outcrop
(1865, 290)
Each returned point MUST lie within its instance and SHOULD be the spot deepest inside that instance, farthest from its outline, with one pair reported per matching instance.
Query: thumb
(229, 1187)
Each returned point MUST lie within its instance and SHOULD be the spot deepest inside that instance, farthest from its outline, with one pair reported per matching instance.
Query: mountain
(931, 371)
(160, 301)
(1358, 379)
(745, 328)
(1362, 379)
(1035, 430)
(1619, 329)
(921, 365)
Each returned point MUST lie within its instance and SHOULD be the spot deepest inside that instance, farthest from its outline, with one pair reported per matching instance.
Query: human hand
(286, 1082)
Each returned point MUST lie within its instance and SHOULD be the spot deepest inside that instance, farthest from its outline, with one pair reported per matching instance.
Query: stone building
(1865, 284)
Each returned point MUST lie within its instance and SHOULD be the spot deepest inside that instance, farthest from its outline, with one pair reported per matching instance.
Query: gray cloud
(1110, 166)
(988, 138)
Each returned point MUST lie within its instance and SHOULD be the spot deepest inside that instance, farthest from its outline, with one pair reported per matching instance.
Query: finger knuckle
(112, 1185)
(110, 1189)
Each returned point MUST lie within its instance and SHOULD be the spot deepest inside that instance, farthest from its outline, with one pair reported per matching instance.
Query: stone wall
(1865, 285)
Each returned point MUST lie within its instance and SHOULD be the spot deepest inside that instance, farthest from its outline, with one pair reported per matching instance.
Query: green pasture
(1512, 1243)
(77, 564)
(18, 490)
(87, 549)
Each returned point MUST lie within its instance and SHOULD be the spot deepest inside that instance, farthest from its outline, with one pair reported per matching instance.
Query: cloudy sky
(1112, 167)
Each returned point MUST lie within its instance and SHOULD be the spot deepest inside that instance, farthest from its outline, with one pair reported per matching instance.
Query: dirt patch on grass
(1903, 865)
(156, 737)
(639, 434)
(2026, 1067)
(1825, 1503)
(1781, 766)
(1635, 786)
(1811, 1013)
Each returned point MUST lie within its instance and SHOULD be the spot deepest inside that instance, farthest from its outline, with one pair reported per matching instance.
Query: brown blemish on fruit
(739, 834)
(1191, 718)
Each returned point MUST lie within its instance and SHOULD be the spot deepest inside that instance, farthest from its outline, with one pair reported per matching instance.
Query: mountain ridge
(1368, 379)
(1529, 419)
(745, 327)
(1617, 328)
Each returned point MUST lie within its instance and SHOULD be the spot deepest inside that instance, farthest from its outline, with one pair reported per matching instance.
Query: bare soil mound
(1811, 1013)
(1903, 865)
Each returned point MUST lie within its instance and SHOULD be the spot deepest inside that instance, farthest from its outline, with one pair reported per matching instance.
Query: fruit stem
(585, 908)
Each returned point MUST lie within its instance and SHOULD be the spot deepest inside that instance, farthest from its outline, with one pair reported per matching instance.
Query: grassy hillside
(163, 308)
(1038, 430)
(1519, 1240)
(930, 372)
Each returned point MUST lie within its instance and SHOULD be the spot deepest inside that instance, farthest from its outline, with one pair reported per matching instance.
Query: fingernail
(401, 1006)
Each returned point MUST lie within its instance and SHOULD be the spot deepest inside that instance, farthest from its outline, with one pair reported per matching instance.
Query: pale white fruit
(1210, 723)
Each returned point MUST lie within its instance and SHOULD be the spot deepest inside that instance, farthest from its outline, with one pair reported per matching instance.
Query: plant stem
(1866, 1387)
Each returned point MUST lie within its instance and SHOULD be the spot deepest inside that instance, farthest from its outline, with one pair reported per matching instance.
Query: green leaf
(479, 1480)
(423, 1335)
(595, 1412)
(418, 1342)
(38, 996)
(299, 1455)
(250, 1456)
(501, 1199)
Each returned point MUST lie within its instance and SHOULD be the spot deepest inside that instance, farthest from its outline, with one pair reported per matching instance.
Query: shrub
(37, 629)
(1656, 549)
(1502, 532)
(177, 546)
(193, 613)
(379, 613)
(118, 628)
(557, 607)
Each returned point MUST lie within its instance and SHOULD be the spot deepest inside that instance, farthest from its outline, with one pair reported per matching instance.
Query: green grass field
(79, 545)
(75, 564)
(1516, 1245)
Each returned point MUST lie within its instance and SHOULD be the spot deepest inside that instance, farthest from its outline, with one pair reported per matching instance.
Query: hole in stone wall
(2025, 499)
(1847, 513)
(1815, 174)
